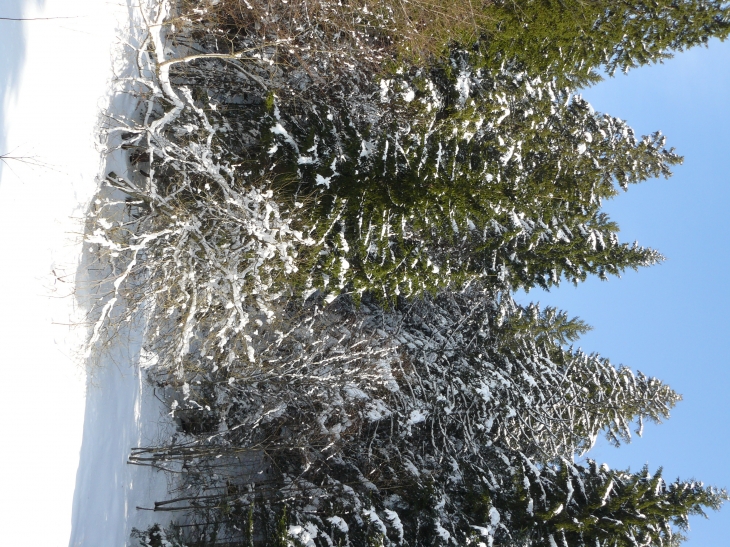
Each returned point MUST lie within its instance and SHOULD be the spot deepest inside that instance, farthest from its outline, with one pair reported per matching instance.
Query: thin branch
(37, 18)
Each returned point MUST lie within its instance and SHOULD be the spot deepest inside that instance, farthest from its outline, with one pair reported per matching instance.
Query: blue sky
(671, 320)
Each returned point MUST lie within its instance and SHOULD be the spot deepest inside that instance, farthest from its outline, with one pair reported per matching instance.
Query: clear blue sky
(671, 321)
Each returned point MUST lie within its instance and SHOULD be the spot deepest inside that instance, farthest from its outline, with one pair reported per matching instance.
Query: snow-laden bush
(189, 236)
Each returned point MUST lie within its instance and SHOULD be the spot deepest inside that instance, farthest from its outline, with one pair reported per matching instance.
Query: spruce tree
(476, 357)
(574, 505)
(413, 179)
(469, 174)
(571, 38)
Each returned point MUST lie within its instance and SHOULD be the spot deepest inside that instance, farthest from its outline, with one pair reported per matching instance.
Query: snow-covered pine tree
(573, 39)
(468, 174)
(572, 505)
(404, 433)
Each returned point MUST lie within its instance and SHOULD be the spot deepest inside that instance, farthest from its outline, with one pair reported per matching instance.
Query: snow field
(53, 117)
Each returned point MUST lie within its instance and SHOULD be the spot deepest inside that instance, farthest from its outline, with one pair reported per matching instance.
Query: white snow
(416, 417)
(323, 181)
(443, 532)
(339, 523)
(395, 522)
(493, 516)
(279, 130)
(305, 535)
(374, 519)
(121, 413)
(52, 116)
(463, 86)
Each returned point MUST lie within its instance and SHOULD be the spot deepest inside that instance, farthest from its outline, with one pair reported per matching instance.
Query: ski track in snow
(53, 116)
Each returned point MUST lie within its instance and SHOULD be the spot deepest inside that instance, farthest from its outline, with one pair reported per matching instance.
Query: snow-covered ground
(52, 115)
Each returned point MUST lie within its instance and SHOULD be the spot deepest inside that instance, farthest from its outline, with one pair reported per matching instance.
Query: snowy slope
(121, 412)
(53, 116)
(121, 408)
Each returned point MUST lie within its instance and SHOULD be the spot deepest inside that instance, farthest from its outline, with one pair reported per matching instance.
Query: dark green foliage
(249, 527)
(572, 38)
(280, 537)
(502, 181)
(547, 325)
(587, 506)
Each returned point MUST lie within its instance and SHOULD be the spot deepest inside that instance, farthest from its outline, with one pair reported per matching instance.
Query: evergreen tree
(572, 38)
(427, 177)
(416, 433)
(471, 174)
(586, 506)
(478, 358)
